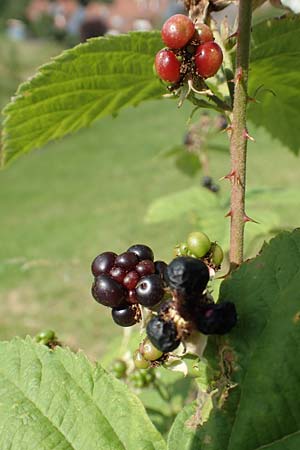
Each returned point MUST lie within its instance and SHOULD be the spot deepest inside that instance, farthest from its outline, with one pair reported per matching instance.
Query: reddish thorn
(247, 135)
(239, 75)
(233, 177)
(229, 214)
(229, 176)
(248, 219)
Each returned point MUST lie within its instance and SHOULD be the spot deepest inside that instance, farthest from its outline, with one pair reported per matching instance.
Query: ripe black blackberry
(163, 334)
(124, 281)
(108, 292)
(215, 318)
(150, 290)
(187, 276)
(126, 315)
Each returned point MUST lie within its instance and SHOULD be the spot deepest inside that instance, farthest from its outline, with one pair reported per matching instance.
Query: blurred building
(125, 14)
(76, 20)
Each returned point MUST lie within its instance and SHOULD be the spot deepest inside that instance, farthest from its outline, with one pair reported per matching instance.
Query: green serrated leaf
(59, 400)
(259, 359)
(275, 69)
(81, 85)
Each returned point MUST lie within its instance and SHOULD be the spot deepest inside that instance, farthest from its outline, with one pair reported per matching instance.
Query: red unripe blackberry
(177, 31)
(208, 59)
(131, 279)
(145, 267)
(204, 33)
(167, 66)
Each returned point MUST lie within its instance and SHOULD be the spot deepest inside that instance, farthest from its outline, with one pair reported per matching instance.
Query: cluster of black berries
(123, 282)
(190, 308)
(191, 52)
(209, 184)
(175, 293)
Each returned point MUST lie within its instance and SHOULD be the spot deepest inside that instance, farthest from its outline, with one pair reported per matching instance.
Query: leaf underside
(263, 409)
(58, 400)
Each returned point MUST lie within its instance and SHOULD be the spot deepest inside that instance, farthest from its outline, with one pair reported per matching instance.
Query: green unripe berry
(149, 376)
(149, 352)
(198, 243)
(217, 254)
(119, 368)
(181, 249)
(139, 361)
(137, 379)
(46, 336)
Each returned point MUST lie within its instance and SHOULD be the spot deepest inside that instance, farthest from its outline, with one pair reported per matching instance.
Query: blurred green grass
(64, 204)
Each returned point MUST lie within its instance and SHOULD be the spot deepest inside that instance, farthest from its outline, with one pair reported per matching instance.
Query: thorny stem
(238, 141)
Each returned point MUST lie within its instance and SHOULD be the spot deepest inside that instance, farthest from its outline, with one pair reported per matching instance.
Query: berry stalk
(239, 135)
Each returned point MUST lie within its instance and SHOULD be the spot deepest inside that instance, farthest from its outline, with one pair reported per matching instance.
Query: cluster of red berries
(191, 51)
(125, 281)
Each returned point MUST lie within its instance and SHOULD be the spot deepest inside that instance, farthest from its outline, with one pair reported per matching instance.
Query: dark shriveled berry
(189, 276)
(103, 263)
(142, 251)
(215, 318)
(150, 290)
(162, 334)
(125, 316)
(107, 291)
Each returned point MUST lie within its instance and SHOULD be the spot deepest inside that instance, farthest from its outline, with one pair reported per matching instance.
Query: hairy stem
(238, 141)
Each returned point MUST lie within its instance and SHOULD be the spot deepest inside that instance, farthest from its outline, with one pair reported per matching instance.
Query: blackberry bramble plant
(236, 355)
